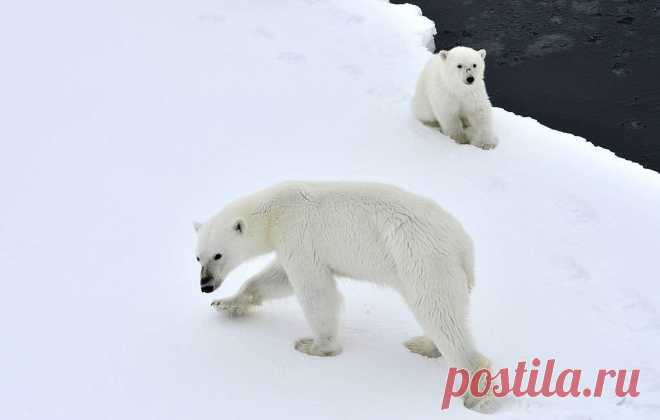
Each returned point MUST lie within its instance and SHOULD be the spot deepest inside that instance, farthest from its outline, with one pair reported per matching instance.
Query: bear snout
(469, 80)
(206, 284)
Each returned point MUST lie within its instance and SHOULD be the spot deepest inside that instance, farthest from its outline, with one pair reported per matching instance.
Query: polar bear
(451, 93)
(320, 231)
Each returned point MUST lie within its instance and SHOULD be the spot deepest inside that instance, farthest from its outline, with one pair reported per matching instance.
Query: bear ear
(482, 53)
(197, 226)
(443, 54)
(239, 226)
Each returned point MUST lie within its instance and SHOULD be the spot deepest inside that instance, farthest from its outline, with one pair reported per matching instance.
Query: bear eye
(197, 258)
(217, 257)
(474, 65)
(460, 66)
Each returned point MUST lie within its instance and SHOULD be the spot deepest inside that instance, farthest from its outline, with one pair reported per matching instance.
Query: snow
(124, 121)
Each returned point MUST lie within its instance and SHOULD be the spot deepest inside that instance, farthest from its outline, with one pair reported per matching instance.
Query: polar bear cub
(451, 93)
(320, 231)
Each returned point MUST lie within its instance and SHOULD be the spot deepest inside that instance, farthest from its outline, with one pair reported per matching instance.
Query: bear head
(463, 66)
(224, 242)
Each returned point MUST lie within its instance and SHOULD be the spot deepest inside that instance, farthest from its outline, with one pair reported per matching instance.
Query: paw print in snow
(212, 18)
(578, 275)
(578, 211)
(639, 313)
(351, 70)
(347, 17)
(291, 57)
(264, 33)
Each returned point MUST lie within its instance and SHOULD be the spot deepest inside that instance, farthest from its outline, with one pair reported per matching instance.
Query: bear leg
(271, 283)
(316, 290)
(479, 131)
(453, 128)
(438, 297)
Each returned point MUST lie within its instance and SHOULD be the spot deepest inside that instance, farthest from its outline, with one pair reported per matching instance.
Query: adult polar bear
(365, 231)
(451, 92)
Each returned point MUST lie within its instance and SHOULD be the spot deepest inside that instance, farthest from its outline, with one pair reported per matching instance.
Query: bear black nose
(206, 280)
(207, 289)
(470, 79)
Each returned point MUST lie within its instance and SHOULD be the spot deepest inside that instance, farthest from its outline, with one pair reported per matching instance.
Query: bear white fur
(451, 93)
(365, 231)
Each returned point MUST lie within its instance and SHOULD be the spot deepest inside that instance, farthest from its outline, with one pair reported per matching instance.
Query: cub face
(464, 66)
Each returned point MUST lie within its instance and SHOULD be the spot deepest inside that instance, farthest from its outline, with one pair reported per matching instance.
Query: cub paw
(487, 146)
(423, 346)
(460, 138)
(310, 346)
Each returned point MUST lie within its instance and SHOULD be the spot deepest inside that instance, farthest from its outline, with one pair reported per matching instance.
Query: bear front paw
(309, 345)
(230, 307)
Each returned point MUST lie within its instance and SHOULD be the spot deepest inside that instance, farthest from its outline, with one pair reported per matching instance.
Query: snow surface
(124, 121)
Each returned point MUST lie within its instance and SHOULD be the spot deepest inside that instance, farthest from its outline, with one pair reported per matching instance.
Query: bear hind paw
(424, 346)
(313, 347)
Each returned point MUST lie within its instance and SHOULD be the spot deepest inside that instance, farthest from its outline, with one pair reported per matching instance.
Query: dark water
(591, 68)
